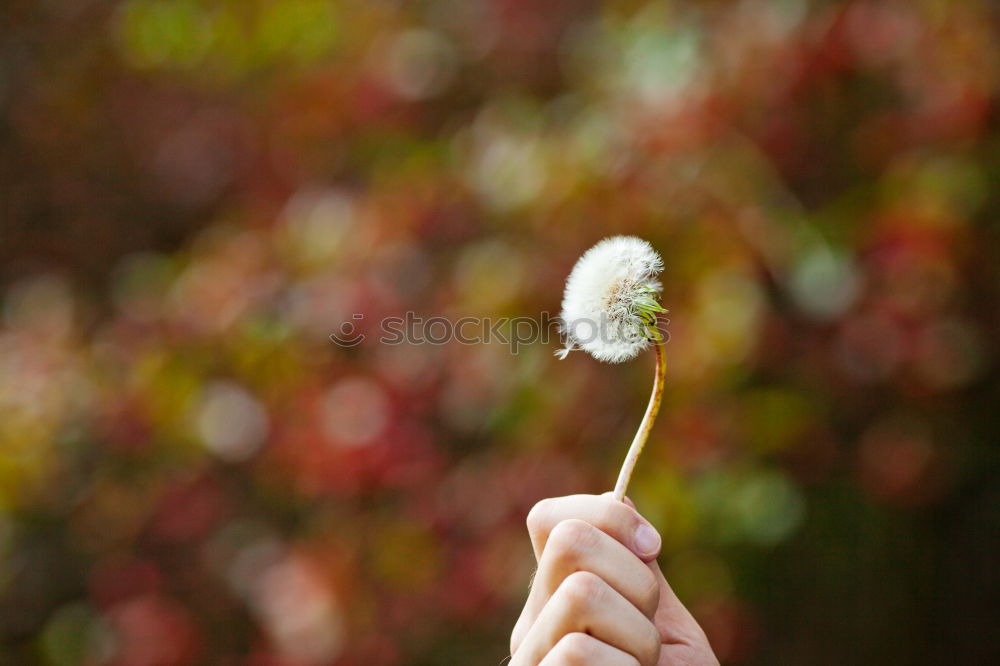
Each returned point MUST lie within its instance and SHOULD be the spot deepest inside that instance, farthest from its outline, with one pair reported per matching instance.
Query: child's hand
(598, 596)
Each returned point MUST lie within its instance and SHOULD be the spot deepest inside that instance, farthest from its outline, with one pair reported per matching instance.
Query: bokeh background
(194, 194)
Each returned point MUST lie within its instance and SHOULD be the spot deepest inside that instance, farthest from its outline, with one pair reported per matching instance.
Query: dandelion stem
(647, 422)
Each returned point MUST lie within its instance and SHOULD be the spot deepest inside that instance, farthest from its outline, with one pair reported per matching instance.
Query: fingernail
(647, 540)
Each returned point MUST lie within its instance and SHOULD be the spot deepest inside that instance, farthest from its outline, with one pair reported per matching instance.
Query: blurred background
(194, 194)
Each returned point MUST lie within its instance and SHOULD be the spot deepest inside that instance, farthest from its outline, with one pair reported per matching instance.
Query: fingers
(591, 599)
(614, 518)
(589, 533)
(575, 545)
(586, 604)
(579, 649)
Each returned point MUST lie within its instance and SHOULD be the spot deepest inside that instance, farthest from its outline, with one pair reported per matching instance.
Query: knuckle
(582, 588)
(538, 516)
(649, 594)
(649, 650)
(569, 538)
(575, 649)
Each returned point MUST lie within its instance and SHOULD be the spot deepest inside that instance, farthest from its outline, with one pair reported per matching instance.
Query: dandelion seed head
(611, 300)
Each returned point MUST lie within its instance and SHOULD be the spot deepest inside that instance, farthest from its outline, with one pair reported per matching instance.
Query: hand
(598, 596)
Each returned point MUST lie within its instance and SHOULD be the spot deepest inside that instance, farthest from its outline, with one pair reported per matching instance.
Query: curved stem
(647, 423)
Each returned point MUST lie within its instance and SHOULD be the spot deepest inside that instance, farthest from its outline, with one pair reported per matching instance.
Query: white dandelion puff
(610, 310)
(609, 307)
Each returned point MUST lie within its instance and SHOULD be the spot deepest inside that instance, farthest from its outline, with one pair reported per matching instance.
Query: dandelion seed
(609, 308)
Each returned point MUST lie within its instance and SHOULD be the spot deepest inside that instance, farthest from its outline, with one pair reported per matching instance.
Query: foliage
(197, 193)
